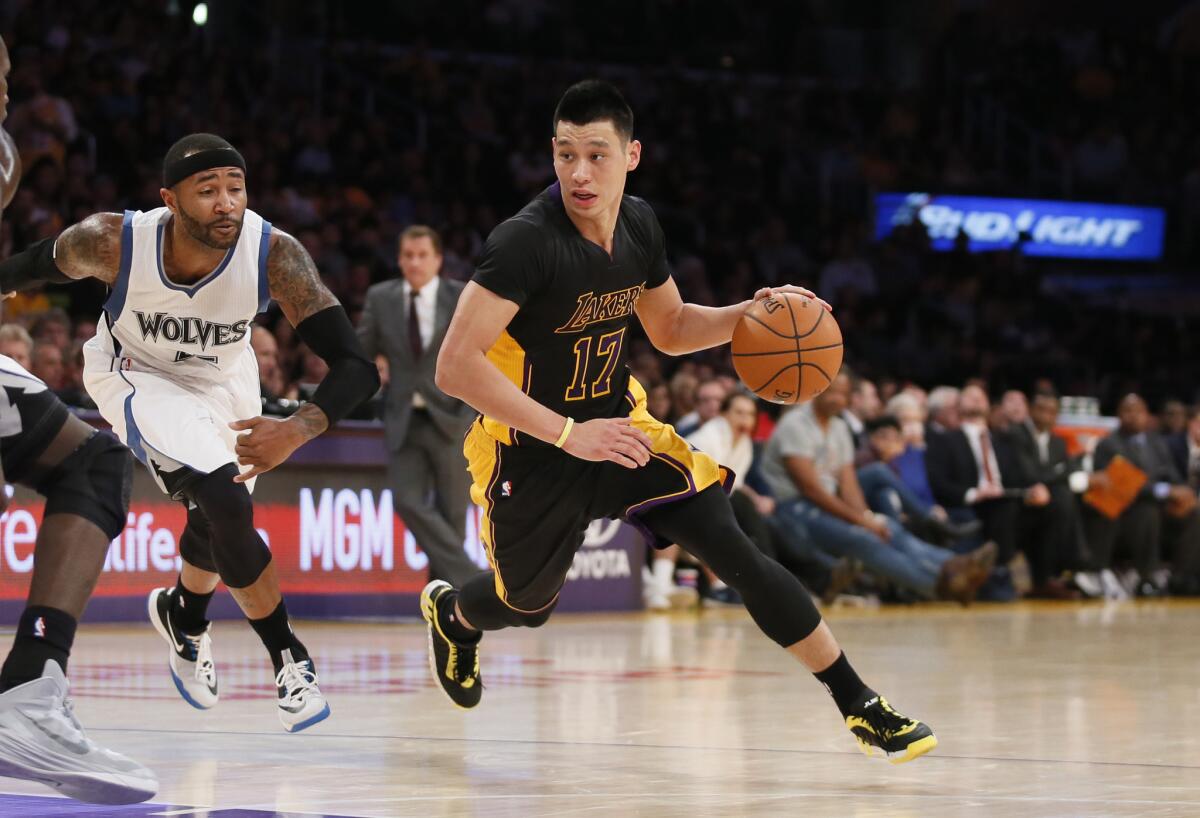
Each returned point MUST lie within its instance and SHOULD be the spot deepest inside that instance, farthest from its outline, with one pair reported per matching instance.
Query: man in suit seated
(1164, 512)
(1185, 448)
(1044, 459)
(975, 472)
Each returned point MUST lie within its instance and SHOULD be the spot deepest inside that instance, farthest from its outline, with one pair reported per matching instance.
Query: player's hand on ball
(767, 292)
(267, 442)
(614, 439)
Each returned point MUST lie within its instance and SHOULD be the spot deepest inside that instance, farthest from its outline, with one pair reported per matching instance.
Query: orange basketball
(787, 348)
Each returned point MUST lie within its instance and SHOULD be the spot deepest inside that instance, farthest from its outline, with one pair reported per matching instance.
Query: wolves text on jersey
(591, 308)
(190, 330)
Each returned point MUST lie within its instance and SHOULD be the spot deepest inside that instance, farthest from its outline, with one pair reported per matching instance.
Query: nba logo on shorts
(506, 488)
(39, 627)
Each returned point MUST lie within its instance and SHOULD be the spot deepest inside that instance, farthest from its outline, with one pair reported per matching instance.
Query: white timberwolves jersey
(196, 331)
(171, 365)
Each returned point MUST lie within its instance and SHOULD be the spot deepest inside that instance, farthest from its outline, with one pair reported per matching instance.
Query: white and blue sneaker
(42, 741)
(190, 656)
(301, 703)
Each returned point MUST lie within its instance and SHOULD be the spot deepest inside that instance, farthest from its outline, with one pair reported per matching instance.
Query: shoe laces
(885, 721)
(201, 648)
(297, 680)
(466, 664)
(67, 712)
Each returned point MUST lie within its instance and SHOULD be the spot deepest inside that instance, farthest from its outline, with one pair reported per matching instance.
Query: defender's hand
(613, 439)
(767, 292)
(267, 443)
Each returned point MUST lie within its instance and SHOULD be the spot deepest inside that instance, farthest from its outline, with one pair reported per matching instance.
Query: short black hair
(881, 422)
(593, 101)
(193, 143)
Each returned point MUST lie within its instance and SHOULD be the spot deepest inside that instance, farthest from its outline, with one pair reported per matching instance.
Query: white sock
(664, 574)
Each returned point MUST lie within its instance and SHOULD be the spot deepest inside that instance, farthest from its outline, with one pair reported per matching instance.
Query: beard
(207, 234)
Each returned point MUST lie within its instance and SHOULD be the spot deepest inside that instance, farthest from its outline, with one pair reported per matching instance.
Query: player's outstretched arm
(677, 328)
(90, 249)
(464, 371)
(323, 325)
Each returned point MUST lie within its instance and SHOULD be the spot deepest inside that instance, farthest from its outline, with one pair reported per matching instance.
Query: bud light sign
(1045, 228)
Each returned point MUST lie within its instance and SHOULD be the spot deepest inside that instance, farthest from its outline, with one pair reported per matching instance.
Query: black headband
(181, 169)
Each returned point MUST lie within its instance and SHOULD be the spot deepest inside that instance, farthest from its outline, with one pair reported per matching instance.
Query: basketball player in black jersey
(538, 346)
(85, 477)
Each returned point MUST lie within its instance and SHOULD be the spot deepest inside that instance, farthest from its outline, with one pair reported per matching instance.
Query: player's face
(591, 162)
(211, 205)
(419, 260)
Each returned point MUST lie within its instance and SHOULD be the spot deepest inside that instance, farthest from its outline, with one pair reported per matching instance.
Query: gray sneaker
(41, 740)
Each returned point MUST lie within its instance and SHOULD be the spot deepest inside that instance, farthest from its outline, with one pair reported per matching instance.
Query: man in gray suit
(404, 321)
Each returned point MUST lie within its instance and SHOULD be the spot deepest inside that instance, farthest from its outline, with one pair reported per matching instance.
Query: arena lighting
(200, 14)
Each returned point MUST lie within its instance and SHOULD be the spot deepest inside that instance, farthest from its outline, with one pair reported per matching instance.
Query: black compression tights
(704, 526)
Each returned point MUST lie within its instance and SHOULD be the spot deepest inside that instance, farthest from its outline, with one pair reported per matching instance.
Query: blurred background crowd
(764, 146)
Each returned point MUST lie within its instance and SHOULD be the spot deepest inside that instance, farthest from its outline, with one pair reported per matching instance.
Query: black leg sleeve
(705, 527)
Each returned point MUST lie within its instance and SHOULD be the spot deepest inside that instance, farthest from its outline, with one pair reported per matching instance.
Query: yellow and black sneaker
(876, 725)
(454, 664)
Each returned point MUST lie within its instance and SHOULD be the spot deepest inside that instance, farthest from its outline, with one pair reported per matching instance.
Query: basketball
(787, 348)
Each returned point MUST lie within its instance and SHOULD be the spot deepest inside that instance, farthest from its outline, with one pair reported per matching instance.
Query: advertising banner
(339, 549)
(1047, 228)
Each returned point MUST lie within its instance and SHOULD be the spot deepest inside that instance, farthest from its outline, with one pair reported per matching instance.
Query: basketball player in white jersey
(172, 370)
(84, 476)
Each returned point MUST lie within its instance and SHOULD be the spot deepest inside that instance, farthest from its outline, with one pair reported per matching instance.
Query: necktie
(985, 453)
(414, 325)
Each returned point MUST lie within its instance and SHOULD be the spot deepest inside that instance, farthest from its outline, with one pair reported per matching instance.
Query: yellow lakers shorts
(539, 500)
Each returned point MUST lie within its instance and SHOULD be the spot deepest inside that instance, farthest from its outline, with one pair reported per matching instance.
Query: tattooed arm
(297, 287)
(91, 249)
(294, 281)
(321, 322)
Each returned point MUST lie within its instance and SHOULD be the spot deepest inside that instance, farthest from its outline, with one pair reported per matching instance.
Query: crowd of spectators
(760, 161)
(376, 137)
(889, 491)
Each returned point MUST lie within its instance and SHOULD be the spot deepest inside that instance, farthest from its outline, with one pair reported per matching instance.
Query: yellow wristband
(566, 431)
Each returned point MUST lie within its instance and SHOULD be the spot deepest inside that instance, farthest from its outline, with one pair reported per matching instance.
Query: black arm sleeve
(352, 376)
(32, 266)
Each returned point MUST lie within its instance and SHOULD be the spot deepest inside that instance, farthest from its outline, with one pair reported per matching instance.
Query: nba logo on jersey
(506, 488)
(39, 627)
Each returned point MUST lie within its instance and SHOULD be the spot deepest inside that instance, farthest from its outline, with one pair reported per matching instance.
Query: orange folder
(1125, 481)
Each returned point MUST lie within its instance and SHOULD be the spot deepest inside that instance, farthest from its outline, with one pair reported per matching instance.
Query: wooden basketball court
(1041, 710)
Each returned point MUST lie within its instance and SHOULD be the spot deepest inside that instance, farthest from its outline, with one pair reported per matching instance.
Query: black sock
(189, 609)
(451, 623)
(42, 633)
(843, 684)
(277, 636)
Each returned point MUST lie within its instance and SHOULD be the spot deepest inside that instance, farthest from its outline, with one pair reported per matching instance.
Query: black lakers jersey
(568, 344)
